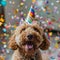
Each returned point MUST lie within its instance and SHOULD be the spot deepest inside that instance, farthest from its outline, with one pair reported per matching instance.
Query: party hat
(31, 15)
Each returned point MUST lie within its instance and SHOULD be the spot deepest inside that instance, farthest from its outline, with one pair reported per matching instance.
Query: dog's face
(28, 37)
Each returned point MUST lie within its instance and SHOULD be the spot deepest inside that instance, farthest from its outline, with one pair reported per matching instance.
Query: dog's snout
(30, 36)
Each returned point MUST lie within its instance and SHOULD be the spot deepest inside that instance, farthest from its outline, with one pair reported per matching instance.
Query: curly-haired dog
(27, 41)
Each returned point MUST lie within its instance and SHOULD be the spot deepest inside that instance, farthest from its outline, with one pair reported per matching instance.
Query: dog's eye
(36, 30)
(23, 29)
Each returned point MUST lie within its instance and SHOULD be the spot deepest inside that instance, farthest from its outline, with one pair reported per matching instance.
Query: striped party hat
(32, 12)
(31, 15)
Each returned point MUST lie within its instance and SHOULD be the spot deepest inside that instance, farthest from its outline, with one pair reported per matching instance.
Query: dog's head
(29, 38)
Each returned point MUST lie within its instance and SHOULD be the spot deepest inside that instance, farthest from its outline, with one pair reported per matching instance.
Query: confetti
(47, 12)
(21, 3)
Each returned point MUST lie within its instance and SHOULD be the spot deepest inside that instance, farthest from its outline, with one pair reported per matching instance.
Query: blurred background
(14, 12)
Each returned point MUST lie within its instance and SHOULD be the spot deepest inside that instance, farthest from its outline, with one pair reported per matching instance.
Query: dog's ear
(45, 44)
(12, 44)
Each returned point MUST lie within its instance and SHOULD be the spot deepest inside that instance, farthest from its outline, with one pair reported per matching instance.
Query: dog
(27, 41)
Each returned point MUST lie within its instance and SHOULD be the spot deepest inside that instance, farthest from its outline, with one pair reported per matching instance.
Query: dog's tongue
(28, 47)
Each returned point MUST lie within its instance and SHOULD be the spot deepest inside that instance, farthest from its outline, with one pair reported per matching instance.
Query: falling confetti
(47, 11)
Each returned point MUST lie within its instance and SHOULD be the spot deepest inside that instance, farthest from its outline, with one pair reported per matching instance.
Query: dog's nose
(30, 36)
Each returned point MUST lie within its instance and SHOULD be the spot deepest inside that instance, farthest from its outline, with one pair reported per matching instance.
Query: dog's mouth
(29, 46)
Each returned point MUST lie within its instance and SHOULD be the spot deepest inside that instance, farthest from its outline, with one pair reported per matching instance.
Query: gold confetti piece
(33, 1)
(21, 3)
(0, 23)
